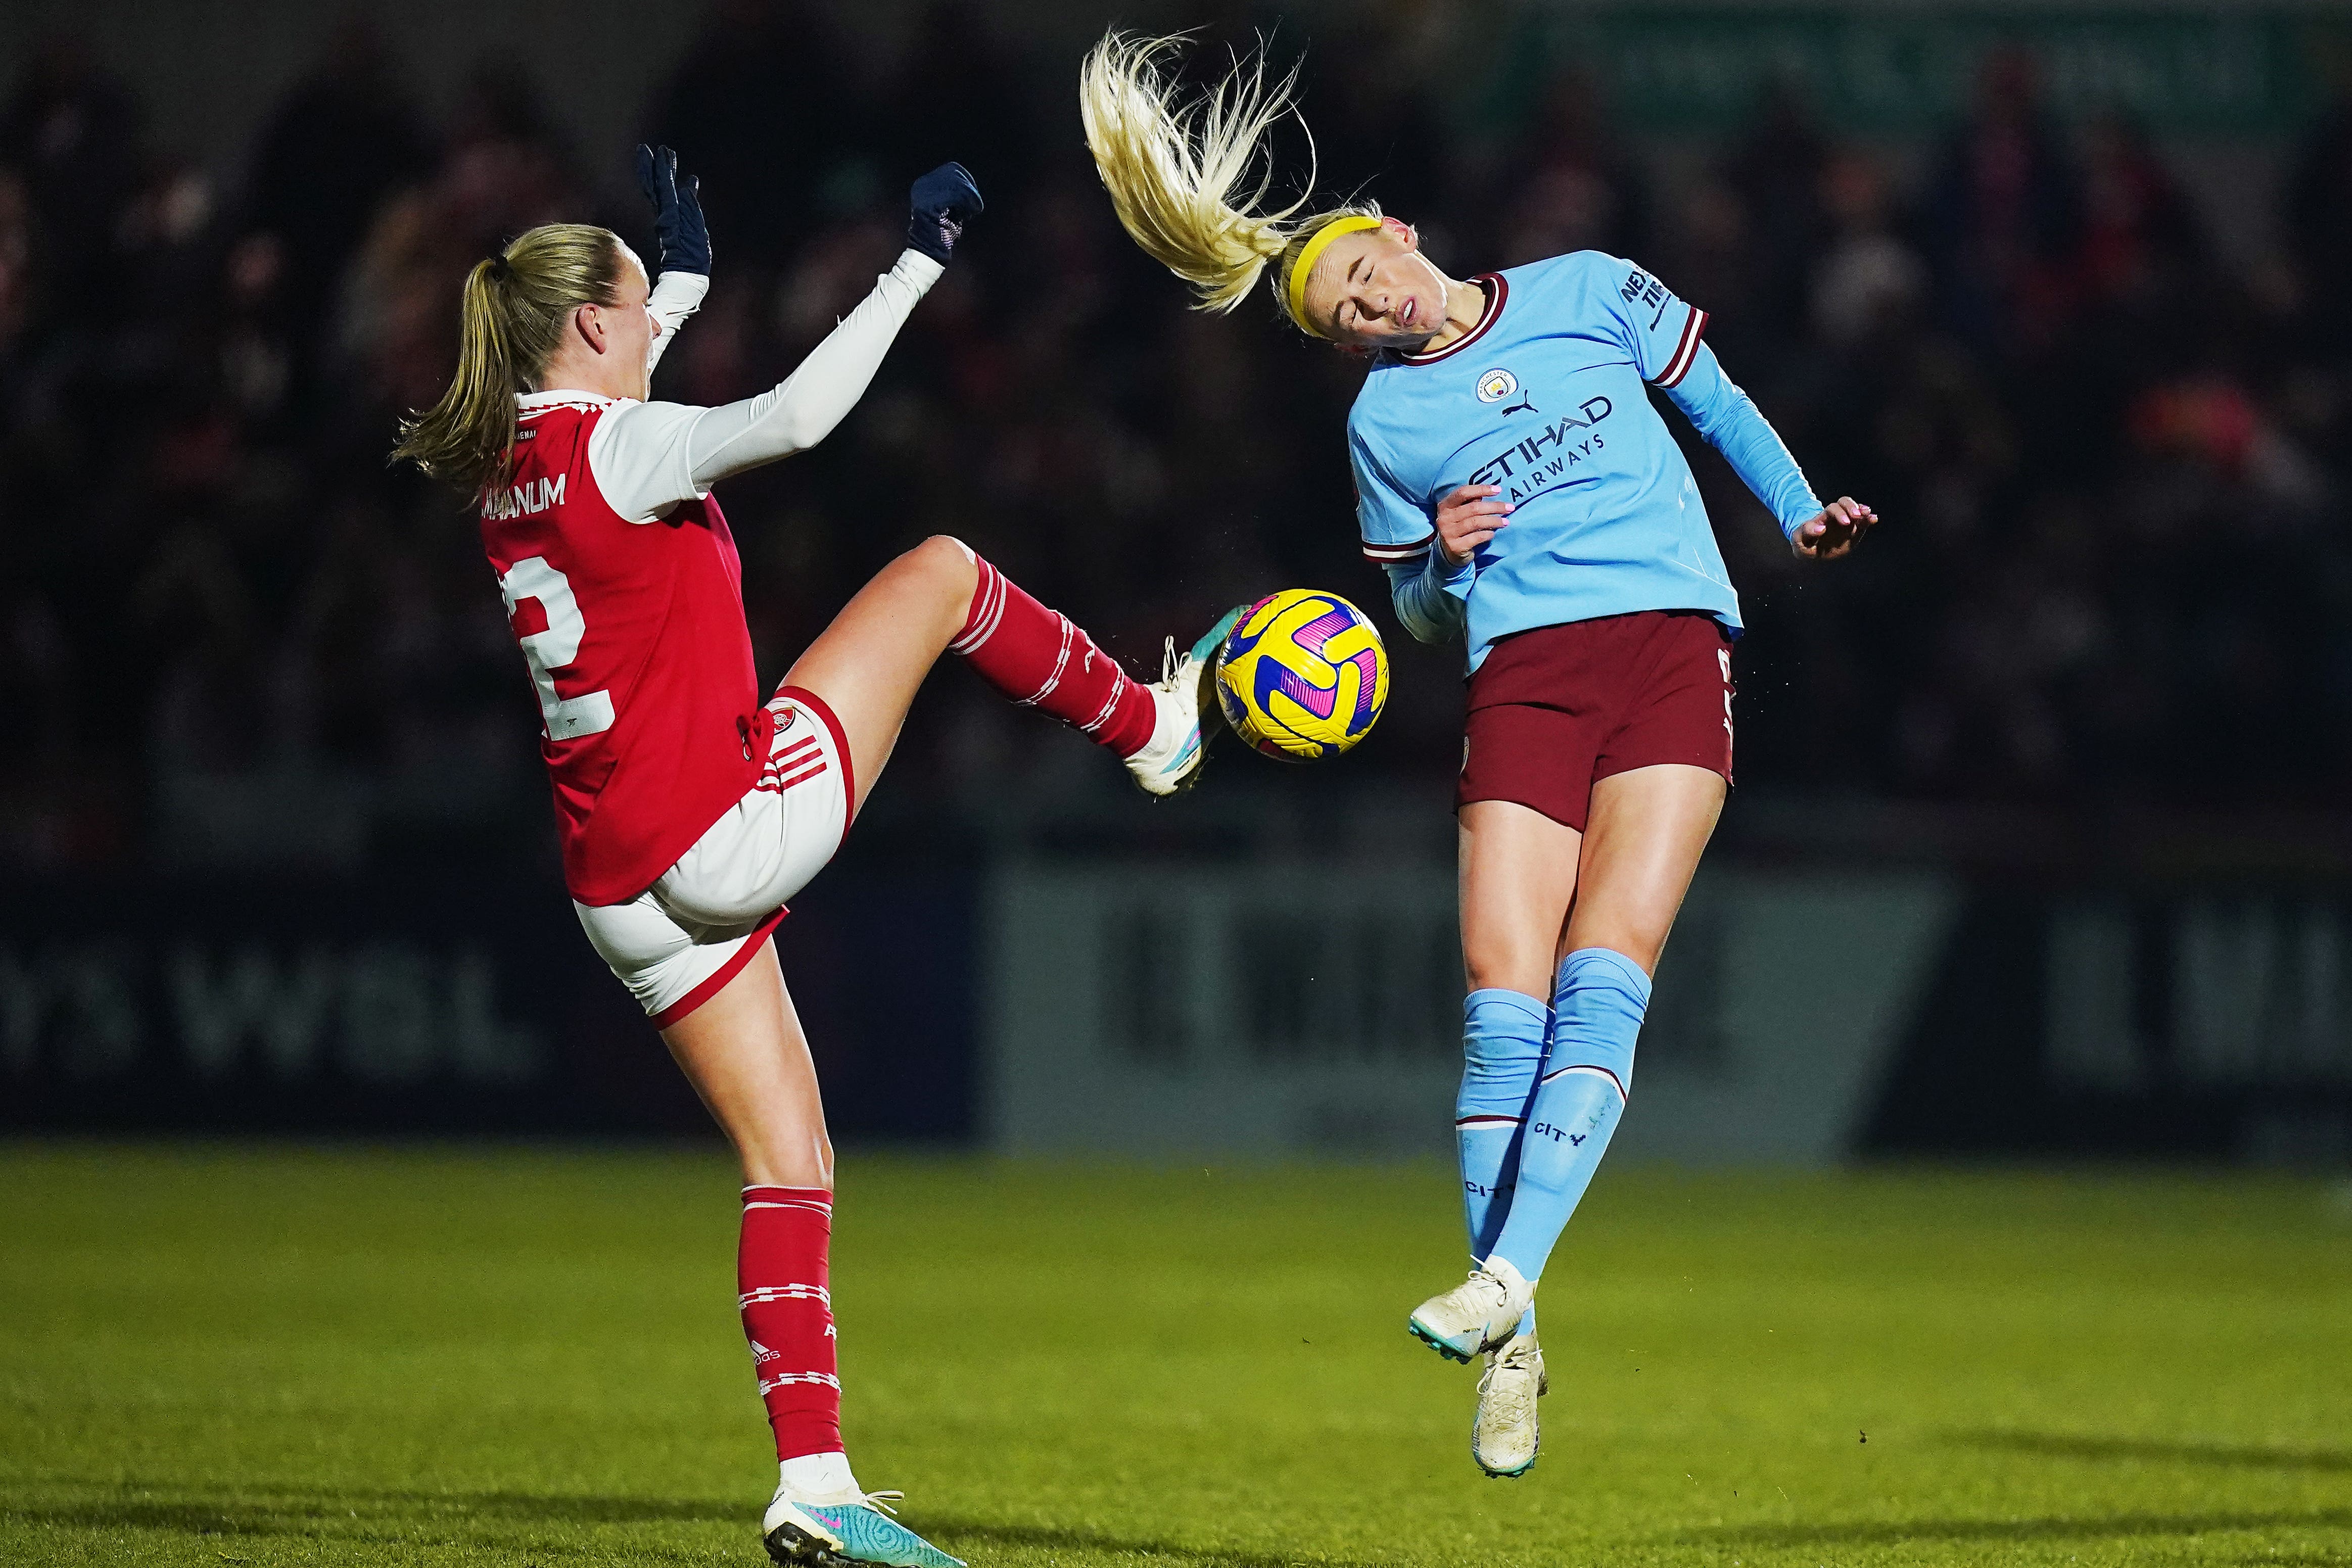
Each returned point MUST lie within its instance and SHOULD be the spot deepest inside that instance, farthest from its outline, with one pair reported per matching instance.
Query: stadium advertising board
(1285, 1011)
(1209, 1011)
(439, 1004)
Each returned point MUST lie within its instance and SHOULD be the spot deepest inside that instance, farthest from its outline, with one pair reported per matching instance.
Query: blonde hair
(510, 319)
(1173, 169)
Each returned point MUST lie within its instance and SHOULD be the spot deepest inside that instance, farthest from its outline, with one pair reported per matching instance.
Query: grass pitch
(271, 1355)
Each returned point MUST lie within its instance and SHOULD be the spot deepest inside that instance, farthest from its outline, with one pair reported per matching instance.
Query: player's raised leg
(943, 597)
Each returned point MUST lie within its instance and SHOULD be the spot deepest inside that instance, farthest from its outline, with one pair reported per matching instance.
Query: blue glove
(942, 202)
(677, 216)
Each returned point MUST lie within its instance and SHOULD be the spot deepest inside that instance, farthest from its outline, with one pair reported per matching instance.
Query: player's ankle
(818, 1475)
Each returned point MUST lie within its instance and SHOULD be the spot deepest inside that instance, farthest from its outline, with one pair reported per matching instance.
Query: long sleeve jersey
(1545, 399)
(624, 587)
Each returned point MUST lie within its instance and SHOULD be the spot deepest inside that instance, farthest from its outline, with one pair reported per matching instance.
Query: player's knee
(1638, 944)
(787, 1157)
(1500, 965)
(945, 553)
(947, 561)
(1478, 976)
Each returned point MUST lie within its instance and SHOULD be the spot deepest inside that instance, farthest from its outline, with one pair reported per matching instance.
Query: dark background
(2089, 352)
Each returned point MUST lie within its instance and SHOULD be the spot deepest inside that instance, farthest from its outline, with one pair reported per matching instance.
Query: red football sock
(1039, 659)
(788, 1314)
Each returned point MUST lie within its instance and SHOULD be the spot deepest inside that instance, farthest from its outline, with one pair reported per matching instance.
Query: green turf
(274, 1356)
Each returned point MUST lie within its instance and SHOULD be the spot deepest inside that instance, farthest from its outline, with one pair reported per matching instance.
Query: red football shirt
(636, 641)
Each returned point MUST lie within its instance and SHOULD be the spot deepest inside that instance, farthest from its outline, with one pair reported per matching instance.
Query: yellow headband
(1306, 259)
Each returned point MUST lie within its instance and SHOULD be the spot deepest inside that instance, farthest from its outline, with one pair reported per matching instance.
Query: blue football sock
(1502, 1052)
(1597, 1010)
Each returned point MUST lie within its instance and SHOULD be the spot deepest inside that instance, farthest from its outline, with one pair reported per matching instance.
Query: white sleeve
(676, 296)
(638, 453)
(801, 411)
(649, 457)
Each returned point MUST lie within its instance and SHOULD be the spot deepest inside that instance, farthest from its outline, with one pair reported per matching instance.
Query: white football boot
(1504, 1434)
(804, 1529)
(1186, 696)
(1478, 1314)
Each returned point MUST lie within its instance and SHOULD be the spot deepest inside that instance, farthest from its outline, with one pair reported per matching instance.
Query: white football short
(677, 943)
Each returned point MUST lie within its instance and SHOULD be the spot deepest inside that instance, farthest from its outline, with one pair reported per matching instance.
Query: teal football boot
(1190, 716)
(1477, 1315)
(841, 1527)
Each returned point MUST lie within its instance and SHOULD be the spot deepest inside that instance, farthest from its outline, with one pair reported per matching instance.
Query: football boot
(1477, 1315)
(830, 1529)
(1504, 1434)
(1186, 698)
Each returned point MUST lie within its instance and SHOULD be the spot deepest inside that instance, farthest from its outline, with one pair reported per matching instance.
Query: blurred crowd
(2111, 451)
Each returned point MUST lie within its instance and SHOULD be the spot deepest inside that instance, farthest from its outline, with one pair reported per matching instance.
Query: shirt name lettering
(533, 497)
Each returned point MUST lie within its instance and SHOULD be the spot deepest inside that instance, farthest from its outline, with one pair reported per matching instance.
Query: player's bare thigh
(745, 1054)
(1518, 872)
(1643, 841)
(870, 663)
(1533, 889)
(743, 1049)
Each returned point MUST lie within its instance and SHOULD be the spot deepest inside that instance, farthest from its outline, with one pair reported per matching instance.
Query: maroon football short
(1555, 710)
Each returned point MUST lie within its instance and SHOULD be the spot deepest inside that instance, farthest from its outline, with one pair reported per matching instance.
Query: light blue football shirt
(1546, 398)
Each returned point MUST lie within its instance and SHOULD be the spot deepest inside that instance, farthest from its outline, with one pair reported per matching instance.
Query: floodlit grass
(273, 1356)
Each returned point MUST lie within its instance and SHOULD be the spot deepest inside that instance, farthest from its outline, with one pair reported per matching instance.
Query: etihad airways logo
(1526, 466)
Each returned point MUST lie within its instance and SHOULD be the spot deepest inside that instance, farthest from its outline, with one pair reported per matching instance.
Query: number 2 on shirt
(554, 646)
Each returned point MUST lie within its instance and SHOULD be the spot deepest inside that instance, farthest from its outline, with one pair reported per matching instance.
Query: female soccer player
(1599, 630)
(688, 808)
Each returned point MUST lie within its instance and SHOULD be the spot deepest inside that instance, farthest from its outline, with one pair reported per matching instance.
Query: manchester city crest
(1496, 384)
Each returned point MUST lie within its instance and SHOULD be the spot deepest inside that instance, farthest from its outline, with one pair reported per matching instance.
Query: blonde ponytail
(1173, 169)
(510, 319)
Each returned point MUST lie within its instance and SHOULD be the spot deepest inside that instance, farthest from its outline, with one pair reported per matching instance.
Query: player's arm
(1428, 563)
(1432, 595)
(1666, 336)
(682, 247)
(804, 408)
(1731, 423)
(1424, 607)
(650, 456)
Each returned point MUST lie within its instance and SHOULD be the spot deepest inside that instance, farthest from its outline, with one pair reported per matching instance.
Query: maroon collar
(1497, 291)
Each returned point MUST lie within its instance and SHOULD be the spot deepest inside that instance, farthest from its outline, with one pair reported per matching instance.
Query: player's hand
(685, 242)
(1833, 530)
(938, 208)
(1467, 520)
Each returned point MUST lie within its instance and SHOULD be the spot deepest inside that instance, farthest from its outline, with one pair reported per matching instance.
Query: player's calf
(1042, 659)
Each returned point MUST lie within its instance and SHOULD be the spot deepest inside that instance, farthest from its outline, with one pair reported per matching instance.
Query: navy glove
(677, 216)
(942, 202)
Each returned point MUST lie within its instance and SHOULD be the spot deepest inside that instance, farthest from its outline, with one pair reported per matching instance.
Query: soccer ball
(1303, 675)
